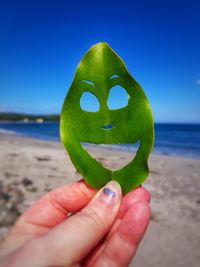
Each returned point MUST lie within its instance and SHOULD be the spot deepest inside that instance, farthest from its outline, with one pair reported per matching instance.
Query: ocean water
(172, 139)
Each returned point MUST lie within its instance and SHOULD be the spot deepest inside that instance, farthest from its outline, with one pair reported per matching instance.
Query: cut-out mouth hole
(112, 157)
(107, 127)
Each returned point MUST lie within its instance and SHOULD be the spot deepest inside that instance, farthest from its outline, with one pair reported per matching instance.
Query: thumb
(74, 238)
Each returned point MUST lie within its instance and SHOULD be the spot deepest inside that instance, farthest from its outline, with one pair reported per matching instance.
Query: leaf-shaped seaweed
(99, 70)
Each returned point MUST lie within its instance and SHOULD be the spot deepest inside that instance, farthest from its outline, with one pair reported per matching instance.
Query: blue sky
(41, 43)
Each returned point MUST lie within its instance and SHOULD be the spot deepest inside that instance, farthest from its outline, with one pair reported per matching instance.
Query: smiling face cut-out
(98, 72)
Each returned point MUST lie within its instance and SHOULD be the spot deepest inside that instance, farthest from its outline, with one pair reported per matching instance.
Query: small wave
(9, 132)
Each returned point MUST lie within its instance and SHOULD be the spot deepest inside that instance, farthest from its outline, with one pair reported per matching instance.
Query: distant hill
(28, 117)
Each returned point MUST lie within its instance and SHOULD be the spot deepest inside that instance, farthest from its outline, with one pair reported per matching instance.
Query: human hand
(77, 226)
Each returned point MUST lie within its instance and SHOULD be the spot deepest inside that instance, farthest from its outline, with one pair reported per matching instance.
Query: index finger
(54, 207)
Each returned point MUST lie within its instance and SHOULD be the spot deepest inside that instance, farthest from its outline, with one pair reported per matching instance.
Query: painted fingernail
(110, 193)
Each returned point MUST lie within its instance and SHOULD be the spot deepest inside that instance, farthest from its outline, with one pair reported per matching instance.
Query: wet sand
(29, 168)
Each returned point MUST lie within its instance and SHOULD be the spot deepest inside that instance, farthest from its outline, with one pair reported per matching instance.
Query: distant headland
(7, 116)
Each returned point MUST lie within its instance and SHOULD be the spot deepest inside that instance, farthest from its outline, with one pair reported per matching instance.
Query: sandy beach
(29, 168)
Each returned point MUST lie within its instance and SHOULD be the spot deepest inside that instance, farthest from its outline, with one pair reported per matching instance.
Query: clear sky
(41, 43)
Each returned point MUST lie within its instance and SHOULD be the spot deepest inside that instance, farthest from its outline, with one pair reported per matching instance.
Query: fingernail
(110, 193)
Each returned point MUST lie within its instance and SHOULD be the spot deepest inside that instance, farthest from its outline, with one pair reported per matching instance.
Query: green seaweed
(99, 70)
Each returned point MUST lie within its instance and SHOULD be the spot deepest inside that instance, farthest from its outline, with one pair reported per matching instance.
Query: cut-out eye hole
(118, 97)
(89, 102)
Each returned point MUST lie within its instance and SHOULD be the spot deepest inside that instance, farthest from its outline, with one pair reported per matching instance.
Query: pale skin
(78, 226)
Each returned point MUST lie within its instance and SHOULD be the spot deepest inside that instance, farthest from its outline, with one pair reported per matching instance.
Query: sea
(170, 139)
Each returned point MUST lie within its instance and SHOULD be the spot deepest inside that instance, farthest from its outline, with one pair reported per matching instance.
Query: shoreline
(29, 168)
(154, 151)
